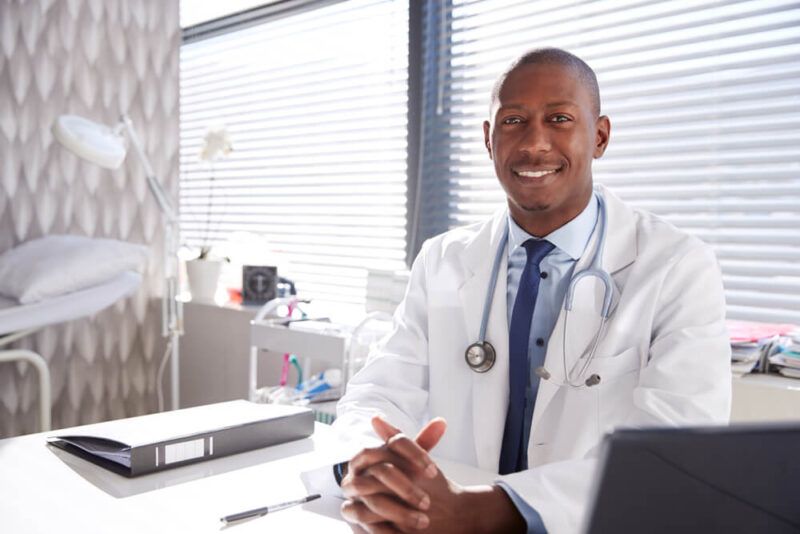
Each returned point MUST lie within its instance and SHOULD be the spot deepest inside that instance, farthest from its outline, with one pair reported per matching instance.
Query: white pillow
(57, 264)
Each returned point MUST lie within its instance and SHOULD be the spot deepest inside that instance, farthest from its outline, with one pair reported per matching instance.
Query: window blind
(704, 102)
(315, 104)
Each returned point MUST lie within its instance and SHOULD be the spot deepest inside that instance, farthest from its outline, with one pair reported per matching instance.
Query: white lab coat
(664, 358)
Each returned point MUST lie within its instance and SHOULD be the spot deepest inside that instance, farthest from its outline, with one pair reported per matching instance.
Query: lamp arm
(155, 187)
(171, 306)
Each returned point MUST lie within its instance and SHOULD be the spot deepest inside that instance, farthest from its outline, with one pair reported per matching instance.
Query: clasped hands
(397, 487)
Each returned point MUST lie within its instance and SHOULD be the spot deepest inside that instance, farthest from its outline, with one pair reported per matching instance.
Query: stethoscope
(481, 355)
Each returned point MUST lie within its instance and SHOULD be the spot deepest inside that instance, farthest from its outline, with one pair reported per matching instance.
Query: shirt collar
(572, 238)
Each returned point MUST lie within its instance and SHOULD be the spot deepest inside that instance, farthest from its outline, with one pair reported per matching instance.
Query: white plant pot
(203, 278)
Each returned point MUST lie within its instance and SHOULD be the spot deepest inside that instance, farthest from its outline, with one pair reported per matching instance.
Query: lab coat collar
(571, 238)
(621, 247)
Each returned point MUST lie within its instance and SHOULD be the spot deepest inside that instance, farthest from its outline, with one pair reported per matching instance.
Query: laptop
(742, 478)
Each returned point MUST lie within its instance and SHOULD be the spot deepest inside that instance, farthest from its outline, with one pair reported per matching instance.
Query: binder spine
(224, 442)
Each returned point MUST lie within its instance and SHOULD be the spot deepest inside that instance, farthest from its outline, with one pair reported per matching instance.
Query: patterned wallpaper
(94, 58)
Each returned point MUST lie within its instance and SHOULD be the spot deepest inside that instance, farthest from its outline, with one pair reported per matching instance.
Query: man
(561, 378)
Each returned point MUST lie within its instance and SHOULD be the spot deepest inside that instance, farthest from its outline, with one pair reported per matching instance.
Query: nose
(535, 139)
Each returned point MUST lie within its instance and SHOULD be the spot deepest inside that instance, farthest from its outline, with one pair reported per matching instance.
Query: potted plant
(203, 272)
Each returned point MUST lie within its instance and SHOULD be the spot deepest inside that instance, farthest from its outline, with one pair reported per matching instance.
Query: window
(705, 111)
(315, 104)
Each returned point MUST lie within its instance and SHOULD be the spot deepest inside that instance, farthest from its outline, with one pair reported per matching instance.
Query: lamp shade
(91, 141)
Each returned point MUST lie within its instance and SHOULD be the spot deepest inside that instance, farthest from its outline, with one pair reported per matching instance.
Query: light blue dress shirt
(570, 243)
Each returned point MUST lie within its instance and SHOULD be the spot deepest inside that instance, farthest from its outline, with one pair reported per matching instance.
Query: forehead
(540, 84)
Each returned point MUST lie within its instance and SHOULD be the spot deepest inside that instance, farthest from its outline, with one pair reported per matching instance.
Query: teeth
(535, 174)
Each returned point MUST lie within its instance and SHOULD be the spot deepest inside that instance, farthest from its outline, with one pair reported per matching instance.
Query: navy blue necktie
(514, 454)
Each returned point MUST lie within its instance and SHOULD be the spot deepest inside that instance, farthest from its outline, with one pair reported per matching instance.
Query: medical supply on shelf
(328, 380)
(326, 384)
(339, 349)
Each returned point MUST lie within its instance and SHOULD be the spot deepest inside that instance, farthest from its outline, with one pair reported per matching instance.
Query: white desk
(46, 490)
(765, 397)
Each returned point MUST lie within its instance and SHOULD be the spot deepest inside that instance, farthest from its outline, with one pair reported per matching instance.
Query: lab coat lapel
(584, 319)
(489, 389)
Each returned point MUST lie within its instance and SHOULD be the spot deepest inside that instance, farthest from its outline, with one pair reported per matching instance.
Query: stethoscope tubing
(487, 303)
(594, 269)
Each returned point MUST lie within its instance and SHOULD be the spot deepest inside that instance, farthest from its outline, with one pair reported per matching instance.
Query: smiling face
(544, 133)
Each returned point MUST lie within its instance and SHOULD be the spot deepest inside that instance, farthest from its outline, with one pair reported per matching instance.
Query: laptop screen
(711, 479)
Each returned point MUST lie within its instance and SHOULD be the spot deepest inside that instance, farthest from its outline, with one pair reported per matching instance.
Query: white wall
(94, 58)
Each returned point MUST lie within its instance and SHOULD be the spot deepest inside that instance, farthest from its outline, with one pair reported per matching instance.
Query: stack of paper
(744, 356)
(749, 339)
(787, 360)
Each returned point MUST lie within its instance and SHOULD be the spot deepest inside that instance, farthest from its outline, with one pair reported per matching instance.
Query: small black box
(258, 283)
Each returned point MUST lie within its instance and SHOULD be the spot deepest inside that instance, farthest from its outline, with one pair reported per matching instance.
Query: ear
(602, 135)
(487, 129)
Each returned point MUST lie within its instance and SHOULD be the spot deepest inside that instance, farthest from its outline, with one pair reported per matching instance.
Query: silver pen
(258, 512)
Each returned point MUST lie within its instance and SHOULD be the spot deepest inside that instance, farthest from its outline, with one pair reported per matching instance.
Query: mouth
(536, 172)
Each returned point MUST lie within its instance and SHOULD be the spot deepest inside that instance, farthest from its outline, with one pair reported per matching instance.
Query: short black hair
(554, 56)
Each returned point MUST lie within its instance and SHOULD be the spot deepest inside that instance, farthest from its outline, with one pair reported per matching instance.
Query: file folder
(150, 443)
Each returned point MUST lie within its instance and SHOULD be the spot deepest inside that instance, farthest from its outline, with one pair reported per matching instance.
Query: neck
(540, 223)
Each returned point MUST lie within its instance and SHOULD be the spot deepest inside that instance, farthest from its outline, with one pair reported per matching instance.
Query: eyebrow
(550, 105)
(562, 103)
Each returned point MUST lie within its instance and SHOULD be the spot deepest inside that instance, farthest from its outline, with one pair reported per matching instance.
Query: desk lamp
(106, 147)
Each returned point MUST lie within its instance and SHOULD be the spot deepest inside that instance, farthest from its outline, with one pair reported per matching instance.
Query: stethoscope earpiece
(544, 374)
(593, 380)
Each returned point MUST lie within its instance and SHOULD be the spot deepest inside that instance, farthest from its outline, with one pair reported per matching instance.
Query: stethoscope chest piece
(480, 356)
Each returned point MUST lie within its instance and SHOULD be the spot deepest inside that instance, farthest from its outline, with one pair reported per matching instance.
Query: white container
(203, 278)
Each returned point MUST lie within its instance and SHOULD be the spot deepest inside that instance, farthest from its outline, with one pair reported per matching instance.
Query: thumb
(383, 428)
(431, 433)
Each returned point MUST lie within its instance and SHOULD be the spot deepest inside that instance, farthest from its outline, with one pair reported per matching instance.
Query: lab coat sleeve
(394, 381)
(686, 381)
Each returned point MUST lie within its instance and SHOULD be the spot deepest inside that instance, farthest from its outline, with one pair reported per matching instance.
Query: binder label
(187, 450)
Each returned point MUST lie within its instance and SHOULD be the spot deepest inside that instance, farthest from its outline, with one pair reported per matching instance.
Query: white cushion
(57, 264)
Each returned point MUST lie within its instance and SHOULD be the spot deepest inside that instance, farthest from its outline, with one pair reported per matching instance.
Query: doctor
(643, 342)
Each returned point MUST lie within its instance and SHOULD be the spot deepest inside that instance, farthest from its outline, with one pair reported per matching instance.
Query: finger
(413, 453)
(392, 478)
(362, 520)
(356, 529)
(431, 433)
(355, 486)
(383, 428)
(377, 455)
(383, 528)
(393, 510)
(357, 512)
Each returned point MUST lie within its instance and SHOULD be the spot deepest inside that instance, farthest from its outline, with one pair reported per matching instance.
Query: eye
(560, 117)
(512, 120)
